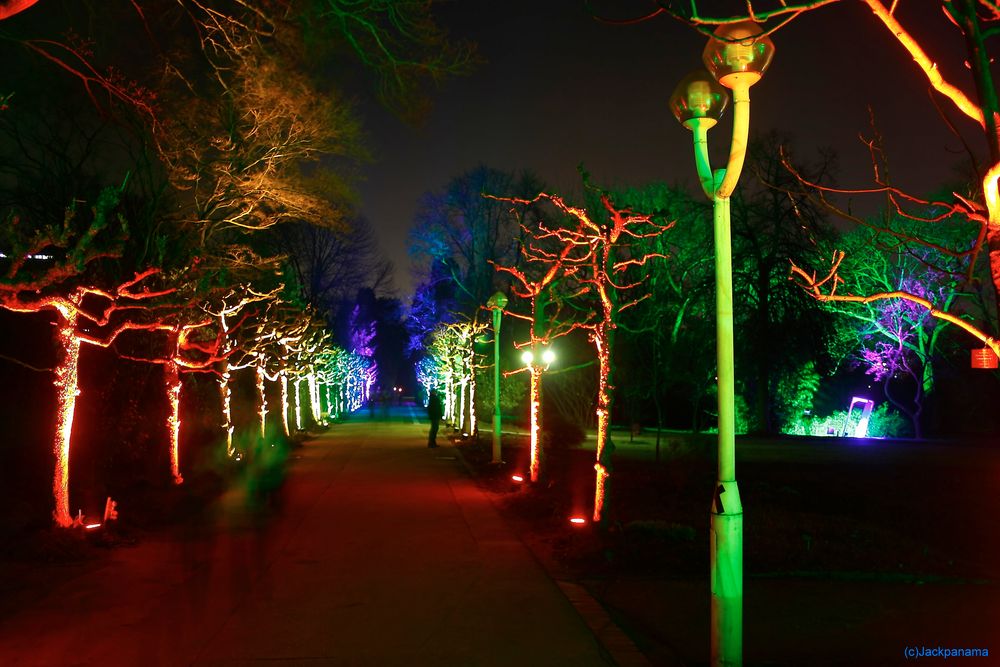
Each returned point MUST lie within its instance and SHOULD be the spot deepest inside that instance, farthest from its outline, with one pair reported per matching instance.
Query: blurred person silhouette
(434, 411)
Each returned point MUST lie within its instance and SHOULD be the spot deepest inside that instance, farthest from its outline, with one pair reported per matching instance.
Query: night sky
(558, 87)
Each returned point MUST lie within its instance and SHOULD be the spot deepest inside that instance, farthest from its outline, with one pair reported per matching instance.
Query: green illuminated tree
(672, 328)
(779, 332)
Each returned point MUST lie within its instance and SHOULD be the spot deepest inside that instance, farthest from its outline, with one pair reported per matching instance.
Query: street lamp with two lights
(736, 55)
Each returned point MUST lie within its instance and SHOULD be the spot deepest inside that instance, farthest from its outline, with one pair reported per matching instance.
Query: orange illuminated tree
(45, 269)
(545, 281)
(188, 346)
(229, 311)
(605, 261)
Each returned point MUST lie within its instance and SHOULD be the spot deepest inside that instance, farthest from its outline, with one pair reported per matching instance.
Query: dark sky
(558, 88)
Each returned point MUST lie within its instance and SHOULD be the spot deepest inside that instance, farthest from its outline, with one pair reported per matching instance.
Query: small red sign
(984, 358)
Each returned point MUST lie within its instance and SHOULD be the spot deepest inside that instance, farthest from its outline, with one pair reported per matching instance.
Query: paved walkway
(383, 553)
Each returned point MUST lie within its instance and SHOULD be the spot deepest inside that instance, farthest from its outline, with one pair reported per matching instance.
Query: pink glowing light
(578, 520)
(91, 526)
(517, 478)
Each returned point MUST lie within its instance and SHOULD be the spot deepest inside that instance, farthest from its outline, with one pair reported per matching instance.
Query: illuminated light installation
(983, 358)
(172, 380)
(517, 478)
(861, 428)
(578, 521)
(67, 390)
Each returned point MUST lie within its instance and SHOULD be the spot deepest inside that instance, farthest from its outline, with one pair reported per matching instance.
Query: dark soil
(823, 519)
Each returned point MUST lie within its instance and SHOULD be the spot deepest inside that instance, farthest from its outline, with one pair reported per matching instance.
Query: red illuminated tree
(10, 7)
(606, 261)
(550, 262)
(188, 345)
(46, 270)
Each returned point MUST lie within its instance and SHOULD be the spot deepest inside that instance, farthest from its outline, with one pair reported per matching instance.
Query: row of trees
(174, 188)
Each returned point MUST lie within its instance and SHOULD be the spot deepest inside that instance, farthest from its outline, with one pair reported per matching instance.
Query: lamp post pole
(737, 56)
(496, 304)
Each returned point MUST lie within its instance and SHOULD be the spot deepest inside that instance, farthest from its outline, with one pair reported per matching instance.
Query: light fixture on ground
(736, 55)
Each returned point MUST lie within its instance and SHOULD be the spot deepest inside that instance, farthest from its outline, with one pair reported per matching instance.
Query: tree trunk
(261, 401)
(225, 393)
(602, 341)
(534, 402)
(66, 383)
(172, 384)
(284, 402)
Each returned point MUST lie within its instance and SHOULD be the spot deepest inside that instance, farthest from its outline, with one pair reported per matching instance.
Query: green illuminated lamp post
(736, 55)
(496, 303)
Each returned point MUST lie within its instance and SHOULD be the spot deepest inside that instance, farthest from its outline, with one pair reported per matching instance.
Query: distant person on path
(434, 411)
(385, 398)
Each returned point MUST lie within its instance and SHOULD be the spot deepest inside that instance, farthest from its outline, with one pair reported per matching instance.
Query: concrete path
(383, 552)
